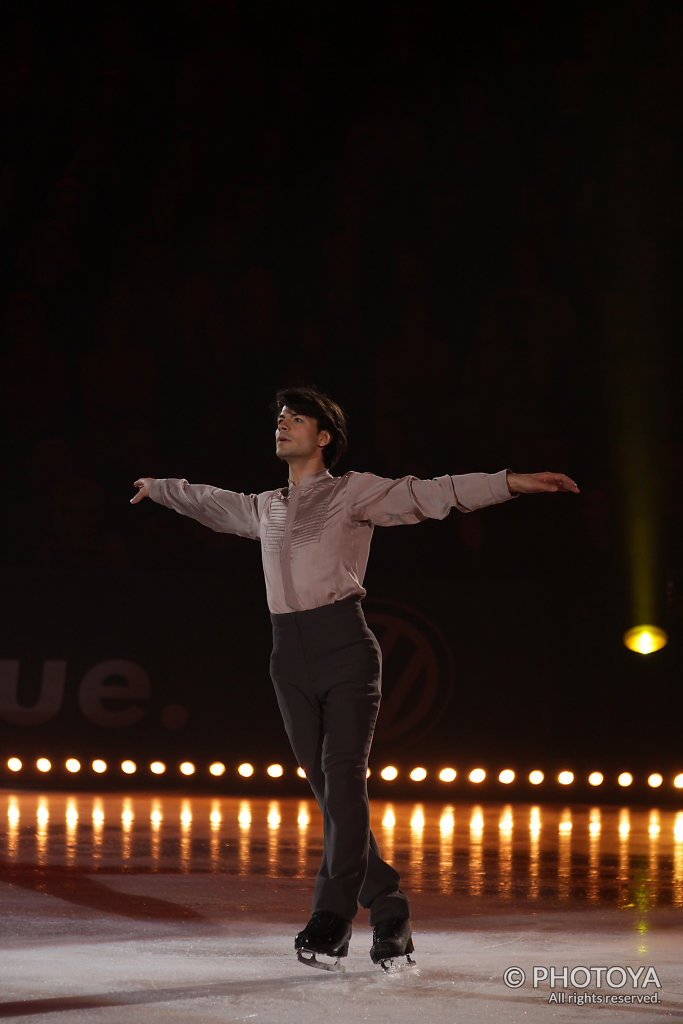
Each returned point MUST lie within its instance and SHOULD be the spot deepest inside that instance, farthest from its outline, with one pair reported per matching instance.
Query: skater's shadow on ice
(141, 997)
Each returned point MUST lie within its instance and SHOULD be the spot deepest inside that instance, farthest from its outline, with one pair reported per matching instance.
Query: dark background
(467, 230)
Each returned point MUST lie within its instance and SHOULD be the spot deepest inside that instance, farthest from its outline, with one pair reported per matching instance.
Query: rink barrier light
(506, 778)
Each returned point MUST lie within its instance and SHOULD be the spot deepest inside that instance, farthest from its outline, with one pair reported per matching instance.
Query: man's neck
(298, 471)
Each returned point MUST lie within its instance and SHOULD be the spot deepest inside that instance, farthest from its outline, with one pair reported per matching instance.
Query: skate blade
(332, 963)
(391, 964)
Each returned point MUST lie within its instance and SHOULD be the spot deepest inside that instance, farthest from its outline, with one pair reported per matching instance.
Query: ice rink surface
(168, 908)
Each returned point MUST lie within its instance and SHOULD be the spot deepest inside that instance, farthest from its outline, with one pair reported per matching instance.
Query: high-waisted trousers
(326, 670)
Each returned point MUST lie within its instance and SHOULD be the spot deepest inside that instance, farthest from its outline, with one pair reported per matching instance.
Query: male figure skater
(315, 538)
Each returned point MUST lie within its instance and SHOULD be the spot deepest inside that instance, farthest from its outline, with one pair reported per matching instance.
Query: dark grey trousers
(326, 670)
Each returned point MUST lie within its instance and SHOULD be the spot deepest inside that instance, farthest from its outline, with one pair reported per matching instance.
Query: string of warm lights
(389, 773)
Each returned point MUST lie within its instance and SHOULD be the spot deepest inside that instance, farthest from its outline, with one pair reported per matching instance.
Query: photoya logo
(583, 977)
(114, 694)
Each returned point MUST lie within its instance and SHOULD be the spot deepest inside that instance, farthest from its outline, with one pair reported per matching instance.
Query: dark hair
(308, 401)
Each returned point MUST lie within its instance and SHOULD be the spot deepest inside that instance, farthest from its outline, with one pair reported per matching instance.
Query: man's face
(297, 436)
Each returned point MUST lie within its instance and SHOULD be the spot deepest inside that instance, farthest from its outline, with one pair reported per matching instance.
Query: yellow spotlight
(276, 771)
(187, 768)
(246, 770)
(655, 780)
(418, 774)
(678, 782)
(506, 776)
(645, 639)
(565, 827)
(389, 773)
(565, 778)
(301, 773)
(217, 769)
(43, 765)
(535, 821)
(477, 775)
(596, 778)
(447, 774)
(99, 767)
(536, 777)
(156, 817)
(625, 779)
(129, 767)
(14, 764)
(244, 817)
(157, 767)
(274, 818)
(73, 765)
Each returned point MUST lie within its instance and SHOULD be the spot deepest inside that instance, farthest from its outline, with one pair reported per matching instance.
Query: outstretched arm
(222, 511)
(537, 483)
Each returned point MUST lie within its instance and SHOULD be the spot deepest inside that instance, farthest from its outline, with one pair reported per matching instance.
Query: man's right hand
(143, 488)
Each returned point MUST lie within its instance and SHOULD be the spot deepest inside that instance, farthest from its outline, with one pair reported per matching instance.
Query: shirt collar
(310, 481)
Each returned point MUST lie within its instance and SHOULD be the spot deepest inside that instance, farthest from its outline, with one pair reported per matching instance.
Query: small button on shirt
(315, 535)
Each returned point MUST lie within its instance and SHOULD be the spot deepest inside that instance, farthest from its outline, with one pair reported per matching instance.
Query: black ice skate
(326, 935)
(391, 941)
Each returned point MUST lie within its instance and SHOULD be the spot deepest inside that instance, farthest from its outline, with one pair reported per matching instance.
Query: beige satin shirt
(315, 536)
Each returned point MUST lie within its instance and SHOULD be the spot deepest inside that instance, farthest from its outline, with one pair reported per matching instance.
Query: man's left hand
(538, 483)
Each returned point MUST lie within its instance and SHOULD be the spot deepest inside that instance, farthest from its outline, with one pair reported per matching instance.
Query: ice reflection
(43, 819)
(446, 846)
(624, 857)
(156, 818)
(244, 841)
(71, 831)
(417, 825)
(594, 829)
(476, 873)
(623, 878)
(186, 836)
(564, 855)
(387, 841)
(274, 821)
(677, 895)
(303, 820)
(216, 821)
(97, 830)
(534, 852)
(127, 819)
(13, 819)
(505, 827)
